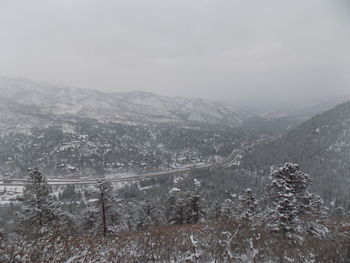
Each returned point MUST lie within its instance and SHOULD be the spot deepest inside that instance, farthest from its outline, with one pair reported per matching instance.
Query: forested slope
(320, 145)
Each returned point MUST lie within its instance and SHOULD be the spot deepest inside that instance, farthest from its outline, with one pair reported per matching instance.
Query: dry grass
(224, 241)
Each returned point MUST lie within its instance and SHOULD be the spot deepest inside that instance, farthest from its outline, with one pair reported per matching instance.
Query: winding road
(231, 159)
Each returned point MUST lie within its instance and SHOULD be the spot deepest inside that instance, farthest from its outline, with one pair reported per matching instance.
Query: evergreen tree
(170, 209)
(174, 209)
(182, 208)
(147, 215)
(38, 211)
(229, 207)
(293, 209)
(193, 209)
(180, 211)
(247, 205)
(101, 213)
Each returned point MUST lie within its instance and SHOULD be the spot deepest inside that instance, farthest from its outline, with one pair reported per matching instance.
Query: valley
(157, 162)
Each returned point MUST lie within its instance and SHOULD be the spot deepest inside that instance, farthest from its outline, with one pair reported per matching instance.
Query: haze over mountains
(22, 95)
(305, 110)
(56, 128)
(43, 98)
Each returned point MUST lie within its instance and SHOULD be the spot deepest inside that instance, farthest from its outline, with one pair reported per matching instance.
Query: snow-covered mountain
(43, 98)
(55, 127)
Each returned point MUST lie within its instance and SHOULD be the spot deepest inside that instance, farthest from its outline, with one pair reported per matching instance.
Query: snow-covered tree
(293, 209)
(183, 207)
(247, 205)
(102, 211)
(38, 211)
(147, 214)
(229, 207)
(175, 208)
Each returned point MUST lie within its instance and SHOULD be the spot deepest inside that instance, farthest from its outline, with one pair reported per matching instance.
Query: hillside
(320, 145)
(86, 147)
(66, 131)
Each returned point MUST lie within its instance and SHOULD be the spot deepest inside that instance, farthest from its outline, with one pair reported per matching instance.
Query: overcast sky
(239, 51)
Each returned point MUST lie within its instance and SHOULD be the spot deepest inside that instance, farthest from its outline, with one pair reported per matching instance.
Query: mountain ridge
(132, 106)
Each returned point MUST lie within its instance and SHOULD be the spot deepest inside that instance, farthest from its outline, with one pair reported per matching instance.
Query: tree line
(288, 207)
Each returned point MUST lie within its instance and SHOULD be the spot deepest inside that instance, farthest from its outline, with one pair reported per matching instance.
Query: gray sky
(239, 51)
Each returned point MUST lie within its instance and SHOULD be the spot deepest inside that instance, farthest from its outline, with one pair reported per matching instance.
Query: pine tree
(293, 209)
(38, 211)
(229, 207)
(147, 215)
(170, 209)
(193, 209)
(180, 211)
(102, 211)
(180, 208)
(247, 205)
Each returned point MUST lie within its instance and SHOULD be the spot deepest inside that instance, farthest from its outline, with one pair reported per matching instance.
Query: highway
(231, 159)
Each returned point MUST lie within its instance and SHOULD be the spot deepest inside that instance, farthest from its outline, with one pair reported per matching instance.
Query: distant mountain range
(142, 107)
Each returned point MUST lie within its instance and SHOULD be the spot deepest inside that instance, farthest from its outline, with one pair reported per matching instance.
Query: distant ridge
(134, 106)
